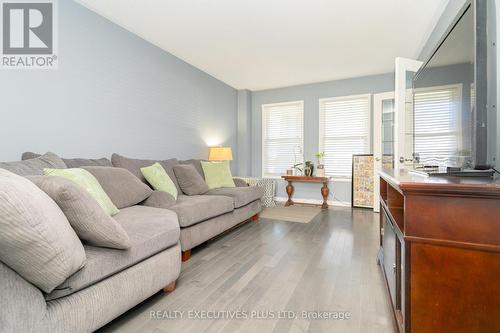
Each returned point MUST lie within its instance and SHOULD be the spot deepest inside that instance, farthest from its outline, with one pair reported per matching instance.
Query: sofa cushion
(239, 182)
(73, 162)
(151, 230)
(241, 196)
(87, 181)
(190, 181)
(122, 187)
(36, 239)
(34, 166)
(134, 165)
(198, 208)
(88, 219)
(159, 199)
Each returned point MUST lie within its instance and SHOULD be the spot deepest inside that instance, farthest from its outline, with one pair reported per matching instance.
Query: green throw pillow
(86, 180)
(159, 179)
(217, 174)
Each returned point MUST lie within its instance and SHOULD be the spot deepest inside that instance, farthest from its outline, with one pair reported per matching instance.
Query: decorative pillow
(159, 179)
(36, 239)
(159, 200)
(217, 174)
(190, 181)
(90, 222)
(122, 187)
(73, 162)
(34, 166)
(134, 165)
(87, 181)
(197, 165)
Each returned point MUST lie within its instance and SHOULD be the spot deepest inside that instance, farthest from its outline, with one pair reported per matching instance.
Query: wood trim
(454, 190)
(462, 245)
(306, 179)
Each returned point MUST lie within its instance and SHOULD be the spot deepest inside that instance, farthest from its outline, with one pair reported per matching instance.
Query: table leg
(289, 191)
(324, 192)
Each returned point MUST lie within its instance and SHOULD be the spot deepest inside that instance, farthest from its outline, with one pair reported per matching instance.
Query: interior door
(384, 139)
(403, 122)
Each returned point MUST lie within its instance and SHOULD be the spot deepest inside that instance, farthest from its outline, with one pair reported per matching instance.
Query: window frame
(264, 108)
(321, 113)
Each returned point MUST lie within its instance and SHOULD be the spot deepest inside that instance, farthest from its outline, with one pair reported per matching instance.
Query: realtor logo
(28, 34)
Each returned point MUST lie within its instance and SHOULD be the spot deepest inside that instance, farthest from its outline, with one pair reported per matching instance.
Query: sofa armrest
(23, 305)
(159, 199)
(240, 182)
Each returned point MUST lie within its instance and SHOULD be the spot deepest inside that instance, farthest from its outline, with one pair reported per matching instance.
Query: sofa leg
(255, 218)
(169, 288)
(185, 255)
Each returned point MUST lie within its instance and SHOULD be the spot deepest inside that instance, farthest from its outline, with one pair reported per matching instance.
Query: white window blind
(344, 128)
(282, 137)
(437, 115)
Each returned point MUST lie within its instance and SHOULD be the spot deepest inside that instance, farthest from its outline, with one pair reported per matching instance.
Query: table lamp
(220, 154)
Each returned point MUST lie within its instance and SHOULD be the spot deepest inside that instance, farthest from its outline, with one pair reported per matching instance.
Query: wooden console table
(307, 179)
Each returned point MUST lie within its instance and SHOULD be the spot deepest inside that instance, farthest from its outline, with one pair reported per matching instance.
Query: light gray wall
(244, 133)
(113, 92)
(310, 94)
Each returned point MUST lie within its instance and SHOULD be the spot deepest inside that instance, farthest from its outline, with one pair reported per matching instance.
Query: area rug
(295, 213)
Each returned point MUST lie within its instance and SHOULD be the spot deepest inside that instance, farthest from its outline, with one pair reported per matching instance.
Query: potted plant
(319, 157)
(320, 167)
(308, 168)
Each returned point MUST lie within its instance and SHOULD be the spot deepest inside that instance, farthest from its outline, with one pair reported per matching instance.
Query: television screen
(444, 93)
(454, 125)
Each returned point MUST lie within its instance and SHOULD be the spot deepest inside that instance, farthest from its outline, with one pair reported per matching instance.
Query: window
(282, 137)
(344, 130)
(437, 119)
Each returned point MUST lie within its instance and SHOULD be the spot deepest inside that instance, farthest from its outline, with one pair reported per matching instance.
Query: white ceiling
(261, 44)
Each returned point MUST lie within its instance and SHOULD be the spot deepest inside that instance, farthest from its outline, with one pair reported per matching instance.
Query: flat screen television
(454, 95)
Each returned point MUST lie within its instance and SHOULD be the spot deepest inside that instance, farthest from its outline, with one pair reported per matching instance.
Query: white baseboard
(315, 201)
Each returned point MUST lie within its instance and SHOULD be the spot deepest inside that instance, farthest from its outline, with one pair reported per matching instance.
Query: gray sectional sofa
(202, 217)
(112, 281)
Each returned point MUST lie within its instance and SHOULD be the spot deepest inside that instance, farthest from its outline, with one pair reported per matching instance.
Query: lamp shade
(220, 154)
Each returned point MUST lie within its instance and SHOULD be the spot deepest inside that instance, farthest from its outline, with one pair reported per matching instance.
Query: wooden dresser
(440, 252)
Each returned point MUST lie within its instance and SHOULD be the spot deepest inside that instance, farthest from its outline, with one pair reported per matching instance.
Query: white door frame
(403, 65)
(377, 144)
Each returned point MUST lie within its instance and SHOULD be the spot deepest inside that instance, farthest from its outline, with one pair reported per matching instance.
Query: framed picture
(362, 181)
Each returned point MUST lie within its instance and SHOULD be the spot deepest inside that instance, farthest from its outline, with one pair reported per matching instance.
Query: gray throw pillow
(36, 239)
(89, 220)
(122, 187)
(159, 199)
(134, 166)
(197, 165)
(73, 162)
(81, 162)
(190, 180)
(34, 166)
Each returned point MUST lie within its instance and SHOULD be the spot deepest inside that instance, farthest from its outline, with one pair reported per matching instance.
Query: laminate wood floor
(270, 266)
